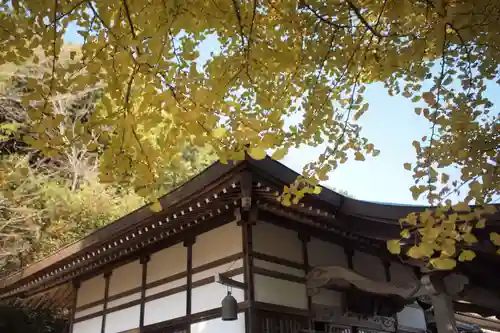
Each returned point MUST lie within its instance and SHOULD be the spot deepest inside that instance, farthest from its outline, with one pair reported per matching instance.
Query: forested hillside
(47, 202)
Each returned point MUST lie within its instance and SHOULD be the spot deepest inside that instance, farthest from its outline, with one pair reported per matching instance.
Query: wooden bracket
(227, 281)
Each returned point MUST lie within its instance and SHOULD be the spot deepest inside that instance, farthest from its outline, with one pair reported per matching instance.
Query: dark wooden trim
(165, 280)
(107, 278)
(278, 260)
(279, 275)
(387, 270)
(144, 262)
(350, 256)
(199, 283)
(75, 286)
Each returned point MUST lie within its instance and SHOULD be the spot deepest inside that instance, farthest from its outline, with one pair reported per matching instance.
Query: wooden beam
(227, 281)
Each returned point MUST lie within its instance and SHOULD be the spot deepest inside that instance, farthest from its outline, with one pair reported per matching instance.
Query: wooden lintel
(227, 281)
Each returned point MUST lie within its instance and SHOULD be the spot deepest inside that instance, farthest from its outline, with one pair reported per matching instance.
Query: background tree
(48, 201)
(275, 59)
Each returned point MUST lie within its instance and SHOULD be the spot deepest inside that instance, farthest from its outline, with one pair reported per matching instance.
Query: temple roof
(210, 198)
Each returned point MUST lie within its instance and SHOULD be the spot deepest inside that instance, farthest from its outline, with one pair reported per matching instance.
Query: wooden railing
(271, 321)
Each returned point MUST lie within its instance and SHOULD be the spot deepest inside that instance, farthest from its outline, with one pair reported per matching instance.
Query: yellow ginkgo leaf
(466, 255)
(495, 238)
(219, 132)
(317, 190)
(443, 263)
(156, 206)
(394, 246)
(257, 153)
(279, 154)
(359, 156)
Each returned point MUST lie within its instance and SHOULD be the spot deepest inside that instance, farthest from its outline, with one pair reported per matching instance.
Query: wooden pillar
(304, 239)
(144, 262)
(107, 278)
(248, 216)
(75, 285)
(188, 243)
(443, 313)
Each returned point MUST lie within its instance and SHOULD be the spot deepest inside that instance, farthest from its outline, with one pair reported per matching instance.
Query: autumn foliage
(273, 59)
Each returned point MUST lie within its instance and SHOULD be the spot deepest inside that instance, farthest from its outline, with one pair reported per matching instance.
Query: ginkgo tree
(275, 59)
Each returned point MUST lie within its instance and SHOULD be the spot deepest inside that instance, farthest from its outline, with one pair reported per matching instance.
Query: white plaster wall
(167, 262)
(368, 265)
(88, 326)
(401, 274)
(277, 241)
(124, 300)
(217, 326)
(219, 269)
(210, 295)
(281, 292)
(90, 291)
(322, 253)
(123, 320)
(166, 286)
(328, 297)
(125, 277)
(217, 243)
(165, 308)
(412, 317)
(89, 311)
(278, 268)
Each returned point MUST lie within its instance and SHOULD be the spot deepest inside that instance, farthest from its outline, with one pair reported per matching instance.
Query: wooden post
(188, 243)
(144, 262)
(107, 277)
(75, 286)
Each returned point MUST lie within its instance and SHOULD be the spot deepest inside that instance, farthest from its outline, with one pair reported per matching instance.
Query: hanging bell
(229, 308)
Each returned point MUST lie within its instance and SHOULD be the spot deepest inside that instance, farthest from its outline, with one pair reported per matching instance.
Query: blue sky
(390, 124)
